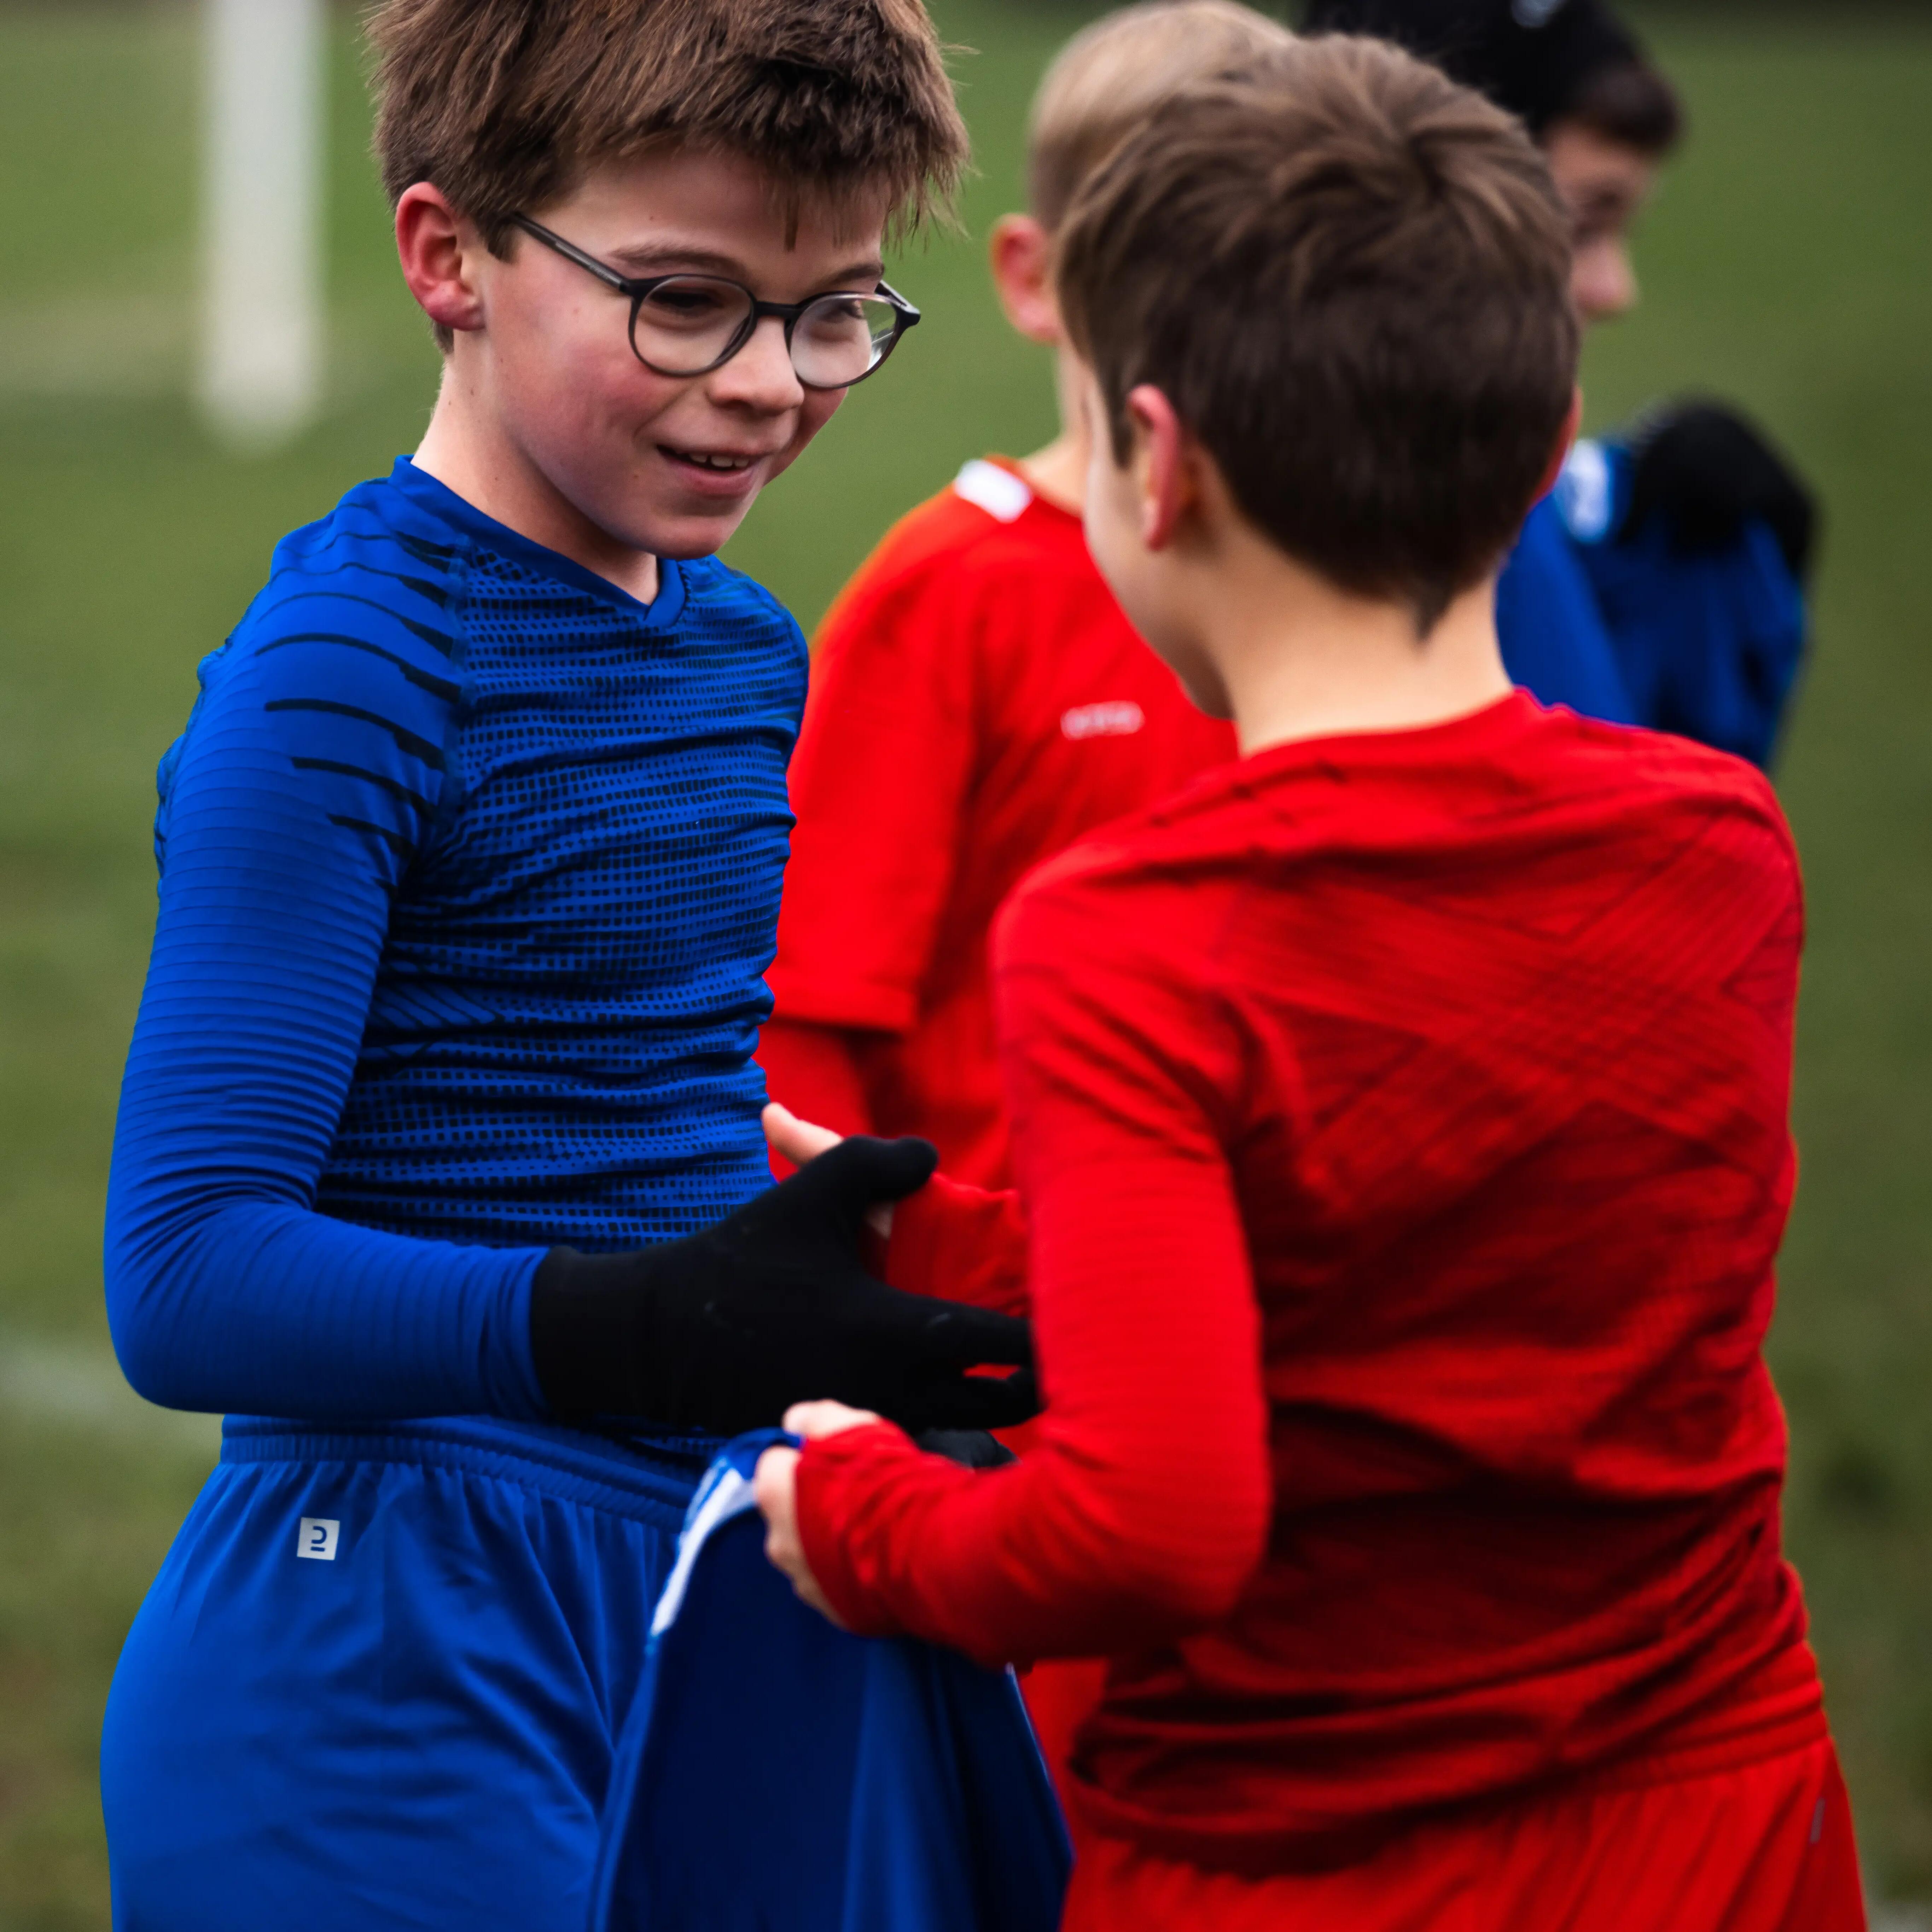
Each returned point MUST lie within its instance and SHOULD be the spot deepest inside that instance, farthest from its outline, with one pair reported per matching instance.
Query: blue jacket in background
(1705, 645)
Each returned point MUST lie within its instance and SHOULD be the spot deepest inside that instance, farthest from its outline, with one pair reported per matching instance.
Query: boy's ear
(437, 248)
(1020, 254)
(1560, 455)
(1163, 461)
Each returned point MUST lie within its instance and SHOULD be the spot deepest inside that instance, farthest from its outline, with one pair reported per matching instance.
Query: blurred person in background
(978, 702)
(1662, 582)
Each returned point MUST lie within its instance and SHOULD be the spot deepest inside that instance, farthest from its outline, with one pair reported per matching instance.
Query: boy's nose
(760, 375)
(1602, 281)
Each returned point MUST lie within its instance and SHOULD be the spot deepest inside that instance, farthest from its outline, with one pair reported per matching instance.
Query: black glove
(724, 1330)
(971, 1448)
(1708, 471)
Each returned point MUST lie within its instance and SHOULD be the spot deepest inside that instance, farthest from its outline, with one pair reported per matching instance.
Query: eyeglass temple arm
(603, 271)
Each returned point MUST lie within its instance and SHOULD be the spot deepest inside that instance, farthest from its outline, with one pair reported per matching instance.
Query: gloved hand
(724, 1330)
(970, 1448)
(1708, 471)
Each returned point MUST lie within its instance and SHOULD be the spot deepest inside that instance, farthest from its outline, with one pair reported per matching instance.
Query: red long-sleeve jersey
(1401, 1124)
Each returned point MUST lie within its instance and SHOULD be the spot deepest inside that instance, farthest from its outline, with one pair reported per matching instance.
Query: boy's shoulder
(987, 532)
(989, 513)
(1638, 773)
(373, 573)
(363, 599)
(1520, 786)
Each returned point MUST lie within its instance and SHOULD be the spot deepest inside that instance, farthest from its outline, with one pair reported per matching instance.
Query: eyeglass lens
(691, 323)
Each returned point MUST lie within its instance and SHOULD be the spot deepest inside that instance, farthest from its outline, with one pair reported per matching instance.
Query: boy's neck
(465, 450)
(1058, 472)
(1298, 657)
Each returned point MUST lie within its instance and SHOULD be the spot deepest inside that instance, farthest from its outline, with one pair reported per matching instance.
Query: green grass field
(1786, 265)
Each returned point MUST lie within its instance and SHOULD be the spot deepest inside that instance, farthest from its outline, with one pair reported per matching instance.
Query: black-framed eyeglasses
(688, 325)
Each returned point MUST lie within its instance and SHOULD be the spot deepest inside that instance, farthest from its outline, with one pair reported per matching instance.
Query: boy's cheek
(819, 408)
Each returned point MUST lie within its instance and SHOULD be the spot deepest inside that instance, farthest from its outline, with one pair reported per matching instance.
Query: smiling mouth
(721, 463)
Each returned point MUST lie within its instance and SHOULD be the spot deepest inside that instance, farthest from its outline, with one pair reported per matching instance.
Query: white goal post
(262, 333)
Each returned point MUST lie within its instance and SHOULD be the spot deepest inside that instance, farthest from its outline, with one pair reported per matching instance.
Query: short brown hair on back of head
(503, 104)
(1104, 83)
(1352, 282)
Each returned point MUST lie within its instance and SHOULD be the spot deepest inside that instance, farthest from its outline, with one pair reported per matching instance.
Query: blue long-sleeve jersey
(1626, 627)
(469, 876)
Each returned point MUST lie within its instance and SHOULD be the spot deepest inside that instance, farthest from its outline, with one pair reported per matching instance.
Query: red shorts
(1765, 1848)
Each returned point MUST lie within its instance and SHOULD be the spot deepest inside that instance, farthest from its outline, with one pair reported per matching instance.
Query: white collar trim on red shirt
(1002, 495)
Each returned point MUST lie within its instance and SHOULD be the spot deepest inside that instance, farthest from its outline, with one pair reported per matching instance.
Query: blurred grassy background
(1786, 265)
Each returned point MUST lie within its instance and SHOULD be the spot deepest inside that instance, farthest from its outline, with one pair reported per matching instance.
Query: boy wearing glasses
(439, 1144)
(1400, 1116)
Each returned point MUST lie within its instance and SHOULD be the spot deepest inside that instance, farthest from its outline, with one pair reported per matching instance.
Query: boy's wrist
(960, 1244)
(588, 1315)
(834, 1475)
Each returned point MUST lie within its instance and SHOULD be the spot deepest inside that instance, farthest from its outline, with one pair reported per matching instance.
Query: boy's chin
(683, 532)
(685, 538)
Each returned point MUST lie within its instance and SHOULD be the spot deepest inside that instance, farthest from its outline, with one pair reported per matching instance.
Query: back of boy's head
(1105, 81)
(504, 104)
(1352, 282)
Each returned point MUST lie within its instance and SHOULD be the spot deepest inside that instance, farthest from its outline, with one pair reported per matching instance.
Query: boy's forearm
(962, 1243)
(261, 1308)
(1142, 1510)
(1070, 1551)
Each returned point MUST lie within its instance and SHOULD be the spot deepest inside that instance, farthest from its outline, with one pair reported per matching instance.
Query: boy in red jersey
(978, 701)
(1400, 1119)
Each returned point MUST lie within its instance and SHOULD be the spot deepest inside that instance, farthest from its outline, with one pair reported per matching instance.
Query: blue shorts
(378, 1681)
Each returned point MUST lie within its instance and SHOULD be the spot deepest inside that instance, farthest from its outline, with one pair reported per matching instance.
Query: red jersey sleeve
(1144, 1510)
(960, 1244)
(878, 783)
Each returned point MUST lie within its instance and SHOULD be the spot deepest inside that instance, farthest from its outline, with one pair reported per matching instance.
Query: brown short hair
(1631, 103)
(503, 104)
(1352, 283)
(1104, 83)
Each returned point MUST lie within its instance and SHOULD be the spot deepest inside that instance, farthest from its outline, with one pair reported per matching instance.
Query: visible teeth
(715, 462)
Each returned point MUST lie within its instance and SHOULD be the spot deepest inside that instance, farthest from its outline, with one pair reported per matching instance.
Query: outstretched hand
(724, 1330)
(801, 1142)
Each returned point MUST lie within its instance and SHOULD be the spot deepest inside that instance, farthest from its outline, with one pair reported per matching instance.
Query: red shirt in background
(1401, 1124)
(978, 703)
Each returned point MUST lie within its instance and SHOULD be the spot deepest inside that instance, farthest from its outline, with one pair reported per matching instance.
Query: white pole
(262, 333)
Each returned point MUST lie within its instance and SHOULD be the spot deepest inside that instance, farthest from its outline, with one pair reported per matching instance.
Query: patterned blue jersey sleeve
(313, 771)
